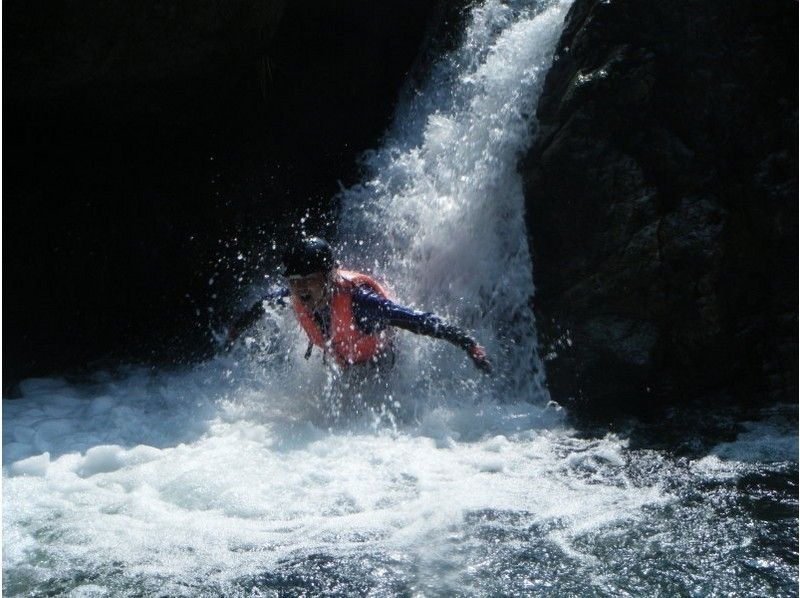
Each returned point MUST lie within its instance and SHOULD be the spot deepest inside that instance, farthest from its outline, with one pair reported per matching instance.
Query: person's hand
(478, 356)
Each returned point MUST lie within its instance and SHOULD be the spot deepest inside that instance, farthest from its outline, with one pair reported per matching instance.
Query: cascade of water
(440, 213)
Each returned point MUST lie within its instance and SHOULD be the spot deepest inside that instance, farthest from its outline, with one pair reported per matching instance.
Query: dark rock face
(662, 203)
(147, 140)
(118, 59)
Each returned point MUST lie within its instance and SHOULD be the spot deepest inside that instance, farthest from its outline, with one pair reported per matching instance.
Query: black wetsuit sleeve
(374, 313)
(275, 296)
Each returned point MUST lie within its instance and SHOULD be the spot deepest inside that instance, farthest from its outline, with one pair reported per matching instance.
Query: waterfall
(440, 212)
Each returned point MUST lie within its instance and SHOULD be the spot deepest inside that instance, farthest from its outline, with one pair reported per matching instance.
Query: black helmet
(307, 256)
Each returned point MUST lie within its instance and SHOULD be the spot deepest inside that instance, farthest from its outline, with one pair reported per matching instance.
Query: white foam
(772, 439)
(32, 466)
(253, 482)
(89, 590)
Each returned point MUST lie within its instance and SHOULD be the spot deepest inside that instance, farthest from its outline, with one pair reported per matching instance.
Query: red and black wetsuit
(372, 313)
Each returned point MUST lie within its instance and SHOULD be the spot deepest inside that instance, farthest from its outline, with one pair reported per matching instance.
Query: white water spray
(440, 215)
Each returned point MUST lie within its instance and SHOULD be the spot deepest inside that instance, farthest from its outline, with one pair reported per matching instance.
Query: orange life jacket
(347, 343)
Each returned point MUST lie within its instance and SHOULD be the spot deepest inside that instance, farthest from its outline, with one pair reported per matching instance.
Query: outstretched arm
(373, 312)
(245, 320)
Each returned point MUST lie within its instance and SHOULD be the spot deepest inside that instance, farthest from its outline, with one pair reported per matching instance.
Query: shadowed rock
(662, 203)
(151, 143)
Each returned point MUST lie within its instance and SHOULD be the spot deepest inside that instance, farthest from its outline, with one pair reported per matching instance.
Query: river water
(259, 473)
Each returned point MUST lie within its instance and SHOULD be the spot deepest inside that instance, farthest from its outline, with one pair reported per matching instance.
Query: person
(347, 314)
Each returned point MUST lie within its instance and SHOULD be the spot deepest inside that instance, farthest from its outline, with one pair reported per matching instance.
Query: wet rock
(114, 58)
(662, 203)
(152, 142)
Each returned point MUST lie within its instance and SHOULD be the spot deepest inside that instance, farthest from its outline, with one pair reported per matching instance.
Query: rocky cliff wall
(145, 141)
(662, 203)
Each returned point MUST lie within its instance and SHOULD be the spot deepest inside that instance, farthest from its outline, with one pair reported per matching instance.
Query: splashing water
(441, 213)
(230, 478)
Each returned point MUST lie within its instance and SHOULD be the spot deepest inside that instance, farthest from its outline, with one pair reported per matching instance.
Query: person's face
(309, 289)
